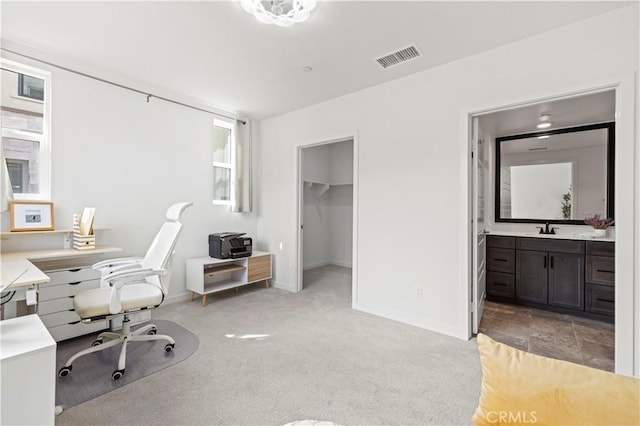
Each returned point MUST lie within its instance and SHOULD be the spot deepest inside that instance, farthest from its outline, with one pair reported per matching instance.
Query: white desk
(17, 264)
(28, 365)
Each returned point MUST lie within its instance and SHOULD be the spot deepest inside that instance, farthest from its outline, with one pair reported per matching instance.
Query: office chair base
(142, 334)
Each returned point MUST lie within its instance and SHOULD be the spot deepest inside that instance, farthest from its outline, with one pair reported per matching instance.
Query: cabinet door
(531, 276)
(566, 280)
(259, 268)
(500, 284)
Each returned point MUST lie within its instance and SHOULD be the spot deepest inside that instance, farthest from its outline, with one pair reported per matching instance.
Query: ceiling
(215, 54)
(560, 142)
(591, 108)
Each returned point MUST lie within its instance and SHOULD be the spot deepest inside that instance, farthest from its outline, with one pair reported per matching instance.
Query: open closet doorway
(327, 218)
(550, 165)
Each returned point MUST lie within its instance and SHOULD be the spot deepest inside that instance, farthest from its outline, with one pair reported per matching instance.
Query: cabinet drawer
(601, 248)
(59, 318)
(501, 260)
(547, 244)
(48, 292)
(501, 284)
(72, 276)
(259, 268)
(601, 270)
(499, 241)
(55, 305)
(67, 331)
(600, 299)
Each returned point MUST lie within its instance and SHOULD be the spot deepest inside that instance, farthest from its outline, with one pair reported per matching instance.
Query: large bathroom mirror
(558, 176)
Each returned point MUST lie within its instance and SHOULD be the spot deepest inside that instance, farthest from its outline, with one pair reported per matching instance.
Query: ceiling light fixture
(283, 13)
(544, 118)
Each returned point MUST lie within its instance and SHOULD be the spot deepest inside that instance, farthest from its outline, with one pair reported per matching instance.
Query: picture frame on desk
(31, 216)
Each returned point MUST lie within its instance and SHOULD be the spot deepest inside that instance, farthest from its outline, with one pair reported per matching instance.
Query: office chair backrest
(160, 251)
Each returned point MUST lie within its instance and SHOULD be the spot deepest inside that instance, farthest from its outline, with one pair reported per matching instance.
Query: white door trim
(627, 208)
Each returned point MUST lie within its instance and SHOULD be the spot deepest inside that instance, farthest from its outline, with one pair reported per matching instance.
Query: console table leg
(266, 283)
(204, 300)
(192, 294)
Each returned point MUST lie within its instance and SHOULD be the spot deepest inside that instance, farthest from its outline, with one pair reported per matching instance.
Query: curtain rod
(122, 86)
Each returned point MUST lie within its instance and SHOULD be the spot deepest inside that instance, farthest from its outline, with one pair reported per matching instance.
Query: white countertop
(587, 236)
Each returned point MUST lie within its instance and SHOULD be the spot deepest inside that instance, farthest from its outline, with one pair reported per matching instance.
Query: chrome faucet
(546, 230)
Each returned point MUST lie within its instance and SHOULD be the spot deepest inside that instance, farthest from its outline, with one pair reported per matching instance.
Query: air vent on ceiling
(398, 57)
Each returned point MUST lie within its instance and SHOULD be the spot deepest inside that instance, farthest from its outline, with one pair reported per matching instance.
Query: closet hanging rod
(122, 86)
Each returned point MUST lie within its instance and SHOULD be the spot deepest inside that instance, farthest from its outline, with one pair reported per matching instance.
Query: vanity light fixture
(283, 13)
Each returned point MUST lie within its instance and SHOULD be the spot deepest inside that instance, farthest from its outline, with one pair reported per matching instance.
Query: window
(24, 114)
(30, 87)
(223, 160)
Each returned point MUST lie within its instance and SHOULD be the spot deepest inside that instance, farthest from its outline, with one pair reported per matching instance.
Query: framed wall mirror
(557, 176)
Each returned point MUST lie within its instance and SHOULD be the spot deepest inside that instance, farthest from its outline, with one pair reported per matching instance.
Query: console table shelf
(207, 275)
(210, 272)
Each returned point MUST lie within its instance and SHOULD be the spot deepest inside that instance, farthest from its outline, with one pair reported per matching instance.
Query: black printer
(229, 245)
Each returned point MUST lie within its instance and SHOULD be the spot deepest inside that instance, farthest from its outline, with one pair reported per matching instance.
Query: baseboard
(436, 327)
(341, 264)
(327, 263)
(315, 265)
(177, 298)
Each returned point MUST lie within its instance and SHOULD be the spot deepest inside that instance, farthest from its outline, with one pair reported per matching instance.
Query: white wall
(131, 159)
(412, 173)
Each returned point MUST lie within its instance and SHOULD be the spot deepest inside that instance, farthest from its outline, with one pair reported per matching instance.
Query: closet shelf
(324, 186)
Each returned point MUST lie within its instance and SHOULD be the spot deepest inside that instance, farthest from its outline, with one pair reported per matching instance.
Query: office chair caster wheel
(96, 342)
(152, 331)
(169, 347)
(64, 371)
(117, 375)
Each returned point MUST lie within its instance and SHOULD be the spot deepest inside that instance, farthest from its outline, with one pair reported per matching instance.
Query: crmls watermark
(522, 417)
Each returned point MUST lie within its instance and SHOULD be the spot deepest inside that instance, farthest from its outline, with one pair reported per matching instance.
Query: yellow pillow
(527, 389)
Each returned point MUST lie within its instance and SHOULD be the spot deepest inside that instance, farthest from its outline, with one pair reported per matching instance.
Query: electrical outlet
(419, 291)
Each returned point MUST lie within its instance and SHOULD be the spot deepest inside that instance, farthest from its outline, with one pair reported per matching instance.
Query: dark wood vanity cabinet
(600, 278)
(501, 265)
(557, 274)
(531, 276)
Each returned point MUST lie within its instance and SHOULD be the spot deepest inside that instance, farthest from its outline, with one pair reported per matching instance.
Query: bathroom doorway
(572, 336)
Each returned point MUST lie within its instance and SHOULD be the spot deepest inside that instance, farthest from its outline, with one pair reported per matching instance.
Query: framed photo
(31, 216)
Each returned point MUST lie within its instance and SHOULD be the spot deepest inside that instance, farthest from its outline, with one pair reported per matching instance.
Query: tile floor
(580, 340)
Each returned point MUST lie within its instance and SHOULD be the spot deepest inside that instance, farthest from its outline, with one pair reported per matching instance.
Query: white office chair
(130, 285)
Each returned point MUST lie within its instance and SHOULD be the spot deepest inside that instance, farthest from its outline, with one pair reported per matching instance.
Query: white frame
(231, 166)
(45, 139)
(627, 209)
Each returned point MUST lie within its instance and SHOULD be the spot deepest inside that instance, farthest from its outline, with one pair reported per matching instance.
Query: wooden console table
(207, 275)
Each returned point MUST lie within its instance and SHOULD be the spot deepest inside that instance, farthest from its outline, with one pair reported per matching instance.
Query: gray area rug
(91, 374)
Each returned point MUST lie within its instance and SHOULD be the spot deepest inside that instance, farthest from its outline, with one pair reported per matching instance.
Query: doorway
(509, 318)
(327, 217)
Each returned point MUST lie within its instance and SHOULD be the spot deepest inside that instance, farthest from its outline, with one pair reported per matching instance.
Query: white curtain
(5, 183)
(243, 183)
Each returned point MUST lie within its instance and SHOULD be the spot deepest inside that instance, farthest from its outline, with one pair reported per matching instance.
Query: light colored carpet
(270, 357)
(91, 374)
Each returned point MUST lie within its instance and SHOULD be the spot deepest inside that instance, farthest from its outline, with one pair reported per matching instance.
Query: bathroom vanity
(564, 275)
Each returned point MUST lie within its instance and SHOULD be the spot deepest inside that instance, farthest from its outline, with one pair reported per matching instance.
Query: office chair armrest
(109, 263)
(119, 279)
